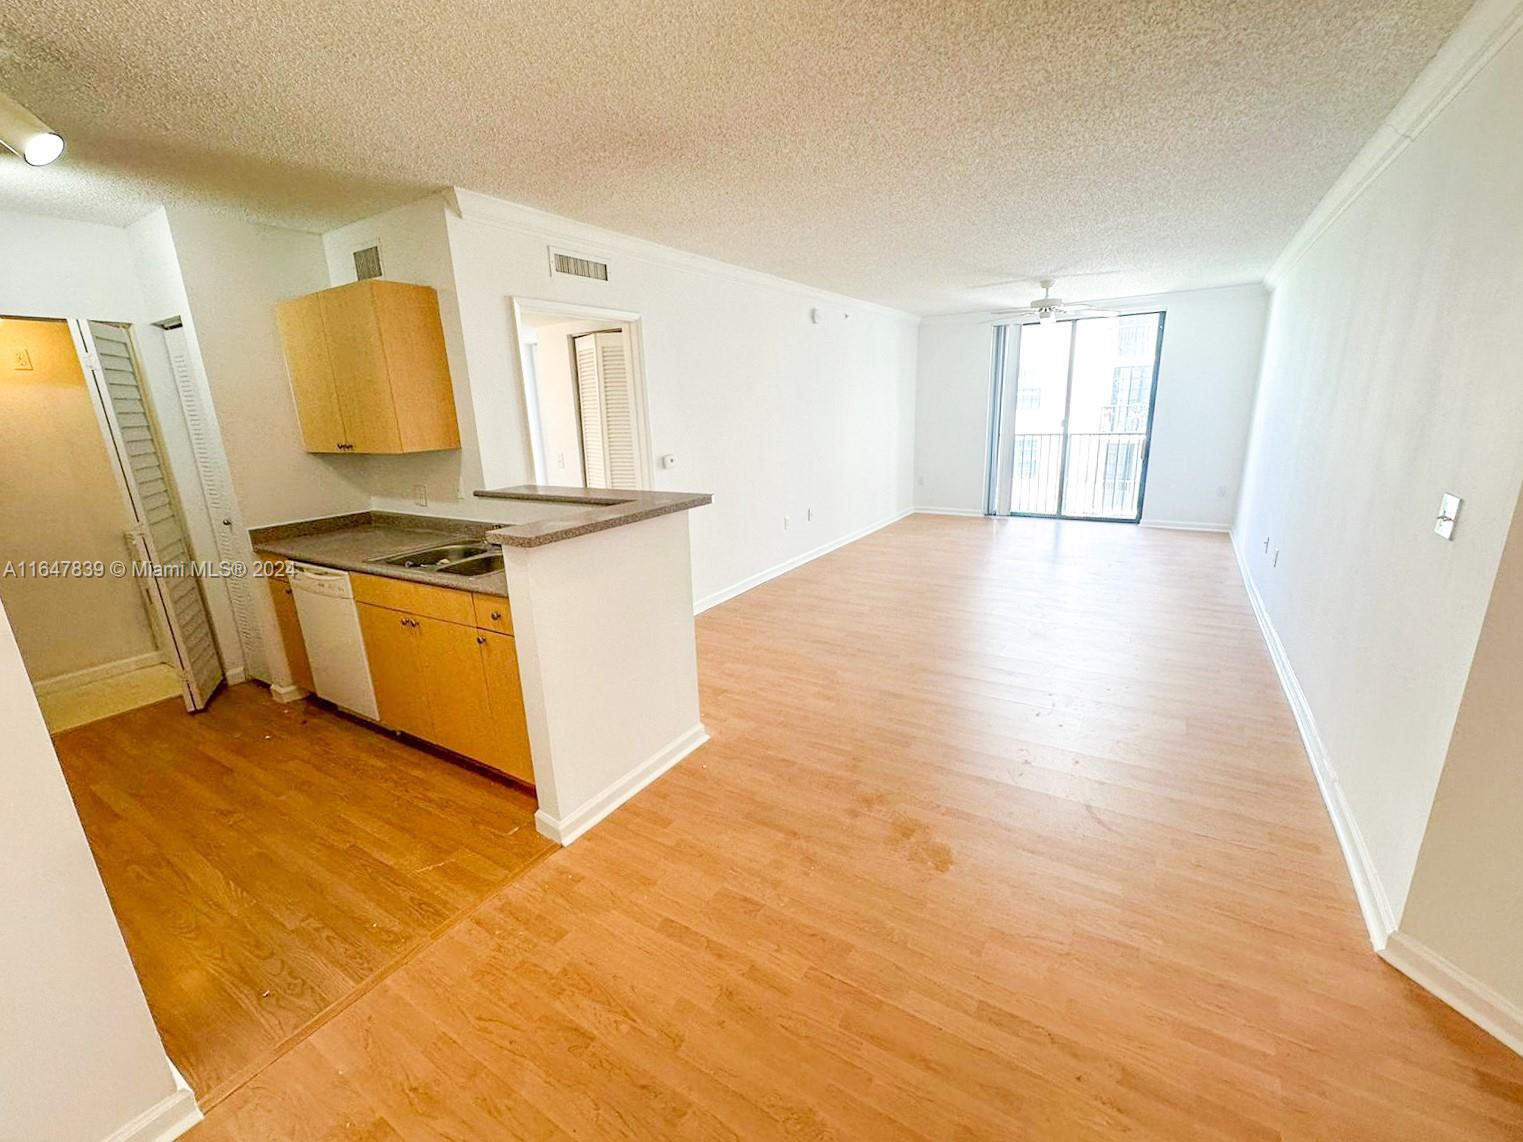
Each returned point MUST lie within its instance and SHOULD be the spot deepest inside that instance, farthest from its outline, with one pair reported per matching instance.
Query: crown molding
(1484, 31)
(473, 206)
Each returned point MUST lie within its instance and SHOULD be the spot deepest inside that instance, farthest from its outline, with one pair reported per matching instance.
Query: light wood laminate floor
(267, 862)
(1004, 832)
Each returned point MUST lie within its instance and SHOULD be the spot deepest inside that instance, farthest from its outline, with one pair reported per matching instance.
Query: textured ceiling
(901, 152)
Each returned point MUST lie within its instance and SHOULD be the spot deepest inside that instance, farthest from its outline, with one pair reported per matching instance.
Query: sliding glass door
(1074, 410)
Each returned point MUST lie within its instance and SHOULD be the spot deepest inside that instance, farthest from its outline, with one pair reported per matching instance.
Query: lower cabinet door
(456, 687)
(507, 745)
(290, 632)
(391, 645)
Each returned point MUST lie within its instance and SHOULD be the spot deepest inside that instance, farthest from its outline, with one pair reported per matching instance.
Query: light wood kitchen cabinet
(368, 368)
(456, 685)
(507, 745)
(393, 647)
(290, 631)
(441, 674)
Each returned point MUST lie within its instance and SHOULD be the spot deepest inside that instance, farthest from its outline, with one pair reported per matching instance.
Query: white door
(217, 486)
(589, 399)
(611, 439)
(158, 537)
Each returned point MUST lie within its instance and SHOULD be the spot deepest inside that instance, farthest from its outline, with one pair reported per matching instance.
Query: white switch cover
(1448, 512)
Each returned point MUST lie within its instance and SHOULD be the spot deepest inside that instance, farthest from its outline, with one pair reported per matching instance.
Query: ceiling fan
(1047, 309)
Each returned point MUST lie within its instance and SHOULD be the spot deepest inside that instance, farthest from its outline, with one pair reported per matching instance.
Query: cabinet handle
(496, 615)
(481, 640)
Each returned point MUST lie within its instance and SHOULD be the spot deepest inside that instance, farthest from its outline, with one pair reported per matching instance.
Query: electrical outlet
(420, 495)
(786, 521)
(809, 518)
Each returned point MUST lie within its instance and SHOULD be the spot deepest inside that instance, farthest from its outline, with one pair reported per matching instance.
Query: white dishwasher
(330, 628)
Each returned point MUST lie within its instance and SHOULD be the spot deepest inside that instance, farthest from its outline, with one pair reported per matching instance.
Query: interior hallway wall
(1391, 376)
(79, 1055)
(62, 502)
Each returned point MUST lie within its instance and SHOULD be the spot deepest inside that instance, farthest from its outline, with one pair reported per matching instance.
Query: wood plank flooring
(266, 862)
(1004, 832)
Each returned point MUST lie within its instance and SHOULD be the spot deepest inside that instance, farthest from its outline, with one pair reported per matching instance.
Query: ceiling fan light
(27, 135)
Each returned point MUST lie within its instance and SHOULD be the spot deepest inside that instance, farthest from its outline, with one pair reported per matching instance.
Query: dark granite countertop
(350, 542)
(588, 510)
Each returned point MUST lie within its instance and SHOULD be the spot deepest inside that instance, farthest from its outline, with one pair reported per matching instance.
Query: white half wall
(1390, 377)
(604, 632)
(1207, 378)
(80, 1058)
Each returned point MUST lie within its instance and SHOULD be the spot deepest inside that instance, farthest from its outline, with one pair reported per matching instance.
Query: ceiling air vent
(367, 263)
(577, 266)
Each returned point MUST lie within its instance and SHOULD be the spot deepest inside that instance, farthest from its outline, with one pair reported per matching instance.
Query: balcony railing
(1103, 478)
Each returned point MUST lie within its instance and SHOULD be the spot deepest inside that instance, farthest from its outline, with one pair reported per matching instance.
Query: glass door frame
(1002, 417)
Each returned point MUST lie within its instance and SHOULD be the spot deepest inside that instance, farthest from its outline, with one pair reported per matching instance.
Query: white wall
(1391, 376)
(55, 267)
(775, 415)
(79, 1054)
(415, 248)
(1206, 382)
(233, 273)
(1466, 903)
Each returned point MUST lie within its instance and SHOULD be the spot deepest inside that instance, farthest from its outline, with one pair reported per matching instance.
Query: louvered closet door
(217, 486)
(589, 395)
(160, 533)
(620, 442)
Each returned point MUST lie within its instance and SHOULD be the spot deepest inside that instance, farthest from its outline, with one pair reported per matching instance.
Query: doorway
(584, 393)
(1073, 415)
(107, 612)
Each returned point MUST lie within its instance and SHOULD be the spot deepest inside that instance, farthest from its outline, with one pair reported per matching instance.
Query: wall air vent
(367, 263)
(567, 264)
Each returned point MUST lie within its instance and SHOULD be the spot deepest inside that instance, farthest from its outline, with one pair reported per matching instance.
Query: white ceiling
(900, 152)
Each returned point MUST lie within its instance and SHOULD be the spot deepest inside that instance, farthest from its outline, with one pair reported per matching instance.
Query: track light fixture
(26, 134)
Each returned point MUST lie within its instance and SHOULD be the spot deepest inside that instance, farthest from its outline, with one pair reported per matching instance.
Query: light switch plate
(1448, 512)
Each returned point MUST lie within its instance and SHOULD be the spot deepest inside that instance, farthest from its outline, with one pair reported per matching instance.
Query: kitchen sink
(439, 558)
(479, 565)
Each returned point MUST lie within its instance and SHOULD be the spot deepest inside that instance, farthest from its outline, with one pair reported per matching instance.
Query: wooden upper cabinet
(311, 369)
(368, 368)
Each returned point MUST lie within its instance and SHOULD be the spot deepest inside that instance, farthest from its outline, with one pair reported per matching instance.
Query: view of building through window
(1083, 394)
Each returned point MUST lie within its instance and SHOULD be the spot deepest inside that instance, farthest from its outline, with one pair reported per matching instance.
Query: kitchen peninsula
(602, 599)
(588, 666)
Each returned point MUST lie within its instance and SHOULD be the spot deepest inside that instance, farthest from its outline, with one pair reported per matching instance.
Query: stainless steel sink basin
(480, 565)
(439, 558)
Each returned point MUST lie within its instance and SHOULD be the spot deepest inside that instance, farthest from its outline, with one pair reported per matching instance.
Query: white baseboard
(1379, 919)
(728, 593)
(165, 1120)
(977, 512)
(567, 829)
(291, 693)
(90, 674)
(236, 675)
(1185, 525)
(1469, 996)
